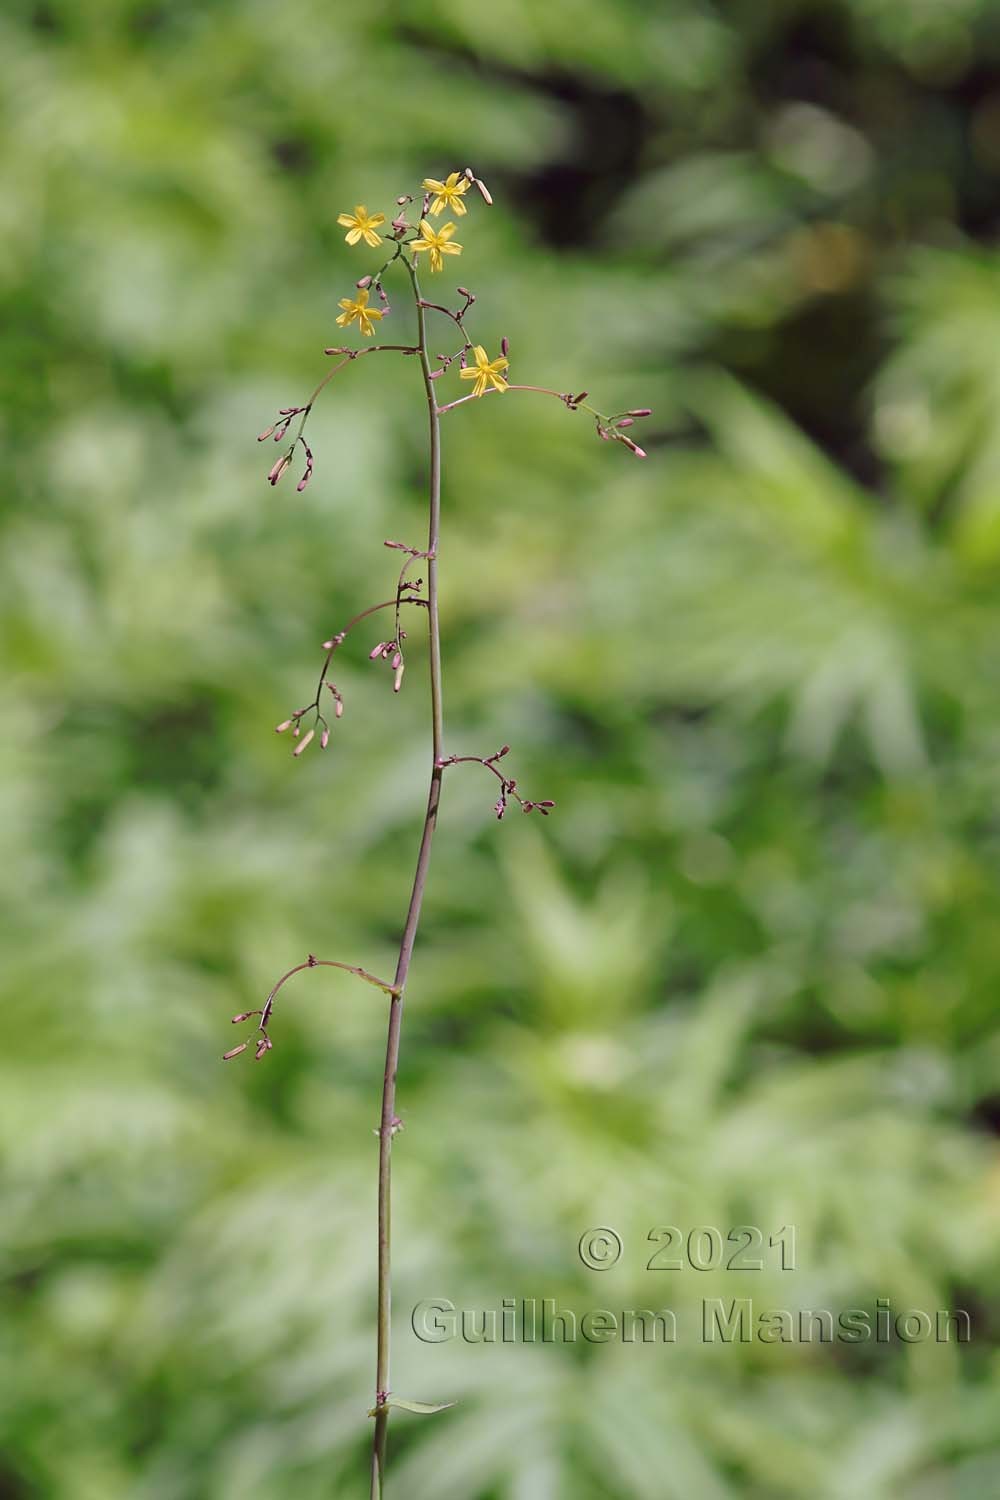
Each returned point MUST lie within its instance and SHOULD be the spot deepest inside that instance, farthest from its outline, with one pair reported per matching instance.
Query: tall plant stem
(412, 920)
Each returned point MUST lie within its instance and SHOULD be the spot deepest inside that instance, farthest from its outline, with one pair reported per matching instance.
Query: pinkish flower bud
(378, 650)
(603, 434)
(244, 1015)
(267, 433)
(398, 682)
(234, 1051)
(279, 468)
(264, 1045)
(397, 658)
(324, 739)
(500, 808)
(305, 742)
(483, 190)
(340, 707)
(639, 452)
(406, 198)
(504, 750)
(365, 281)
(641, 411)
(280, 728)
(625, 422)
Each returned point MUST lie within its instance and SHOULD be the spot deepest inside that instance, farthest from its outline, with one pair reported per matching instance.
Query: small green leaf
(424, 1408)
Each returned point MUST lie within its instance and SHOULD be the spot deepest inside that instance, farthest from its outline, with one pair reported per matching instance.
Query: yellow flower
(438, 241)
(449, 193)
(359, 310)
(485, 372)
(362, 225)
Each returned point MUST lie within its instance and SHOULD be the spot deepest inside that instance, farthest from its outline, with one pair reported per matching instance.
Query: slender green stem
(412, 920)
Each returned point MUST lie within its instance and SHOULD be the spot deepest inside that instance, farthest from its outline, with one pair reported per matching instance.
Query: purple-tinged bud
(280, 728)
(337, 349)
(324, 739)
(305, 742)
(604, 434)
(244, 1015)
(625, 422)
(297, 730)
(308, 472)
(365, 281)
(483, 190)
(397, 658)
(235, 1051)
(639, 452)
(641, 411)
(289, 411)
(463, 291)
(264, 1045)
(281, 429)
(400, 225)
(398, 683)
(504, 346)
(279, 468)
(379, 650)
(436, 373)
(262, 438)
(500, 808)
(338, 711)
(582, 397)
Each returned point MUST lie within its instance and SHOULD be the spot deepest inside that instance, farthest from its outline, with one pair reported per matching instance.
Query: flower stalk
(310, 722)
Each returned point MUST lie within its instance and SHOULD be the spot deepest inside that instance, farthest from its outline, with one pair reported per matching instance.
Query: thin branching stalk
(489, 377)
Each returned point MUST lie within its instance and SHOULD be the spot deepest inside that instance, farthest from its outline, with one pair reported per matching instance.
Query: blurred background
(747, 973)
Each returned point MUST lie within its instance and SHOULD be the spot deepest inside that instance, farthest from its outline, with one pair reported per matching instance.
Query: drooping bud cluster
(391, 651)
(613, 428)
(508, 785)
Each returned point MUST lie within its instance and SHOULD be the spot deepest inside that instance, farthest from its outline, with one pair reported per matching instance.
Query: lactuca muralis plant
(431, 243)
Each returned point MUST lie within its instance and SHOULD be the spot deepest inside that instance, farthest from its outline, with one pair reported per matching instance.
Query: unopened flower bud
(280, 728)
(279, 468)
(639, 452)
(267, 433)
(264, 1045)
(500, 808)
(504, 750)
(379, 650)
(483, 190)
(324, 739)
(365, 281)
(305, 742)
(641, 411)
(398, 682)
(625, 422)
(339, 709)
(244, 1015)
(397, 658)
(234, 1051)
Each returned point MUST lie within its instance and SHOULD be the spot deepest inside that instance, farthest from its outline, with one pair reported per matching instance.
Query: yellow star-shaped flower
(360, 311)
(449, 193)
(485, 372)
(361, 225)
(438, 241)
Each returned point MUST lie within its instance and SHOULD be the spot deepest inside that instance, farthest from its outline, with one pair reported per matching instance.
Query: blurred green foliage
(747, 973)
